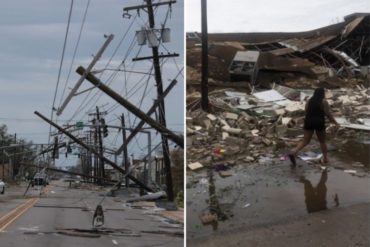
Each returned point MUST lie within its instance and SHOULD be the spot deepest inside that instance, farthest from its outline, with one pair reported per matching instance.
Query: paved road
(63, 217)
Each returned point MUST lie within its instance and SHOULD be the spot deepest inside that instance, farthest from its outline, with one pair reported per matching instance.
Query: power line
(75, 51)
(61, 65)
(83, 105)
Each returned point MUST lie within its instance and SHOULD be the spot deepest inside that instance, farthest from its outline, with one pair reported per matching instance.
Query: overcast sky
(270, 15)
(32, 36)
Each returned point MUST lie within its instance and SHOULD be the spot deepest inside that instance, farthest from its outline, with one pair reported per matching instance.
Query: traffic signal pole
(98, 122)
(94, 151)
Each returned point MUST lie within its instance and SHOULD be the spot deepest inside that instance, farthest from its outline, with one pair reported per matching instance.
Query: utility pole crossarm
(179, 140)
(82, 78)
(152, 57)
(146, 6)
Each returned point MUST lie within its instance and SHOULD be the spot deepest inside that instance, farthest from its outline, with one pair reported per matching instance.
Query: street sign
(80, 125)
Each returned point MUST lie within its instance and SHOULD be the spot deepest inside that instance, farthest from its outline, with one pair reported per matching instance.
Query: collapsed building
(339, 52)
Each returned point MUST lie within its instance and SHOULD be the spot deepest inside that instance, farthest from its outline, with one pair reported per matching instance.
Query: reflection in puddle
(264, 195)
(356, 150)
(315, 197)
(215, 211)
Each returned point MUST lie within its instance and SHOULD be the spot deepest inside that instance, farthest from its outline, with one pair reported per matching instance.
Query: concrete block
(195, 166)
(232, 116)
(225, 174)
(211, 117)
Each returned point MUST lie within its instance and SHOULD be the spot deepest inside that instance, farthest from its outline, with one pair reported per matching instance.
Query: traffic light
(105, 127)
(55, 149)
(69, 148)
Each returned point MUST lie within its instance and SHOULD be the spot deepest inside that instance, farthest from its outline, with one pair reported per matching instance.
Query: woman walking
(316, 110)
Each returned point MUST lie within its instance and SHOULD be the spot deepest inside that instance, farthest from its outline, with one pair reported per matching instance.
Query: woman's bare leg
(306, 139)
(324, 149)
(307, 135)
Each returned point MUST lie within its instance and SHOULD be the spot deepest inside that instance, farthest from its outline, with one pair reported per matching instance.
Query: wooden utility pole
(204, 87)
(93, 150)
(158, 77)
(161, 108)
(125, 155)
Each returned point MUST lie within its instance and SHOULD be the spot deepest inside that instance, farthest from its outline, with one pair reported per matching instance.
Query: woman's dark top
(315, 116)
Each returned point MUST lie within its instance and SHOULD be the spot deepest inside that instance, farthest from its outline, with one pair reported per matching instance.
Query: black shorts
(317, 124)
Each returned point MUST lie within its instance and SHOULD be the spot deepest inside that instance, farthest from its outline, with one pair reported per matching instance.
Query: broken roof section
(340, 47)
(332, 56)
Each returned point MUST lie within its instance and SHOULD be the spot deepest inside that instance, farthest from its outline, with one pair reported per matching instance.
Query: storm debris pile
(252, 128)
(259, 84)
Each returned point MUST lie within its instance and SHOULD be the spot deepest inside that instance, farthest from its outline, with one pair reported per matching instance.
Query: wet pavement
(272, 192)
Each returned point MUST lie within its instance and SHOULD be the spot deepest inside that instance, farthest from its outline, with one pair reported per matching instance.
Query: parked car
(40, 179)
(2, 187)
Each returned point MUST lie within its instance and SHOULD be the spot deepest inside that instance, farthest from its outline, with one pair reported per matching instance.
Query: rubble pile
(252, 128)
(249, 124)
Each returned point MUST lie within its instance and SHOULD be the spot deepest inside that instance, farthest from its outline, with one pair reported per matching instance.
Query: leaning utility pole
(149, 112)
(82, 78)
(125, 155)
(178, 139)
(204, 85)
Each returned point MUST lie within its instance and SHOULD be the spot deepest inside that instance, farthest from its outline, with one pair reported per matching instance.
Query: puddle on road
(356, 150)
(257, 195)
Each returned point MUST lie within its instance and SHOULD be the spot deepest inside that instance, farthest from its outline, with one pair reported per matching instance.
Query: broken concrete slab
(231, 130)
(195, 166)
(269, 96)
(229, 115)
(224, 174)
(211, 117)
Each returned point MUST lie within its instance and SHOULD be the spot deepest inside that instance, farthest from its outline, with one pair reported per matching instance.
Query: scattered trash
(358, 165)
(208, 218)
(310, 156)
(350, 171)
(149, 197)
(246, 205)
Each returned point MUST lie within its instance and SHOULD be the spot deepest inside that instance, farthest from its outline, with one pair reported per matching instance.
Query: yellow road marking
(16, 213)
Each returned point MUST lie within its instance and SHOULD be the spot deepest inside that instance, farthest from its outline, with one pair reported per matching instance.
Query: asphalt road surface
(63, 217)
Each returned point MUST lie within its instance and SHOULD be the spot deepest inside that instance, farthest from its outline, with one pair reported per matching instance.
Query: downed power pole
(81, 143)
(150, 112)
(179, 140)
